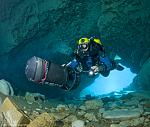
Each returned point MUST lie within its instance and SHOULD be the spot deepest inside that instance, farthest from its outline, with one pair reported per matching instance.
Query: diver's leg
(117, 66)
(107, 62)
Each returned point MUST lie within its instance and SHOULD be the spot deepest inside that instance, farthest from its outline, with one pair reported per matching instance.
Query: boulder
(93, 104)
(134, 122)
(43, 120)
(116, 125)
(143, 78)
(59, 116)
(140, 95)
(78, 123)
(12, 113)
(70, 118)
(6, 88)
(122, 114)
(34, 97)
(62, 108)
(90, 117)
(132, 102)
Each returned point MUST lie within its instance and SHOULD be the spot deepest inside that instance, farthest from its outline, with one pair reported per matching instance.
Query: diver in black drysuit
(89, 57)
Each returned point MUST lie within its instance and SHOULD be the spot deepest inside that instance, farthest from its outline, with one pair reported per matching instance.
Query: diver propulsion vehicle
(48, 73)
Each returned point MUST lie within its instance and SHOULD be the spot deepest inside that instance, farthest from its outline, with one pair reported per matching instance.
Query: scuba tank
(46, 72)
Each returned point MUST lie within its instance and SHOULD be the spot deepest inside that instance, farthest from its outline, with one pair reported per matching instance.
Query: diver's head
(83, 44)
(36, 69)
(83, 41)
(86, 40)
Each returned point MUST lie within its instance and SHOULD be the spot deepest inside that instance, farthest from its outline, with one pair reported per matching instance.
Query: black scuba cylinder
(46, 72)
(57, 74)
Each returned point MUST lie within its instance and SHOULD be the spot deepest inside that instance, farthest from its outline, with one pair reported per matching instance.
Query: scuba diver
(89, 57)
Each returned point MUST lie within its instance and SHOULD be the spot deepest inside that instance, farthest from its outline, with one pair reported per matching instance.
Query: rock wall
(37, 27)
(23, 20)
(126, 26)
(142, 81)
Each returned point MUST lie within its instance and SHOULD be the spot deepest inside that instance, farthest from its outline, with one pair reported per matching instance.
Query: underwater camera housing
(45, 72)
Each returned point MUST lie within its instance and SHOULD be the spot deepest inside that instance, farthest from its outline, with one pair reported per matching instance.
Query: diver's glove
(94, 70)
(97, 69)
(75, 65)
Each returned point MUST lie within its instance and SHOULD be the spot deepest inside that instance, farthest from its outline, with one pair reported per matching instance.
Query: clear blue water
(116, 81)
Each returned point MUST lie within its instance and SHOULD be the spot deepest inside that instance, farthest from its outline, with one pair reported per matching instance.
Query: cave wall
(126, 25)
(23, 20)
(49, 29)
(142, 80)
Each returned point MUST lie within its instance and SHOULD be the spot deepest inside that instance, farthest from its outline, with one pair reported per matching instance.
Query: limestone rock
(3, 122)
(96, 124)
(78, 123)
(90, 117)
(100, 113)
(143, 80)
(102, 110)
(13, 115)
(128, 123)
(43, 120)
(72, 108)
(115, 104)
(62, 108)
(81, 113)
(133, 122)
(23, 20)
(141, 95)
(122, 114)
(70, 118)
(116, 125)
(6, 88)
(146, 103)
(129, 20)
(147, 122)
(93, 104)
(132, 102)
(59, 116)
(82, 107)
(30, 19)
(34, 97)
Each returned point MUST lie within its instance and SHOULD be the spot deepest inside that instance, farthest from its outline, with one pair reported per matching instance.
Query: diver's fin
(119, 67)
(117, 57)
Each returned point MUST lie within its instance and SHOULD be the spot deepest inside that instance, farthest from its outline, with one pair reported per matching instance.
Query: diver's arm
(72, 64)
(75, 62)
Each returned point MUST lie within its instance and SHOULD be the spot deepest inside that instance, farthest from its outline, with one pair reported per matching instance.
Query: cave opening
(115, 82)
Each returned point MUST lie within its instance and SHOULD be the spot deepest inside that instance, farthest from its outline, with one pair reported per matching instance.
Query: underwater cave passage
(116, 81)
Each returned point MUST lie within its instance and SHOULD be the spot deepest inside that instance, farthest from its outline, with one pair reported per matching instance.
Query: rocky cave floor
(127, 110)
